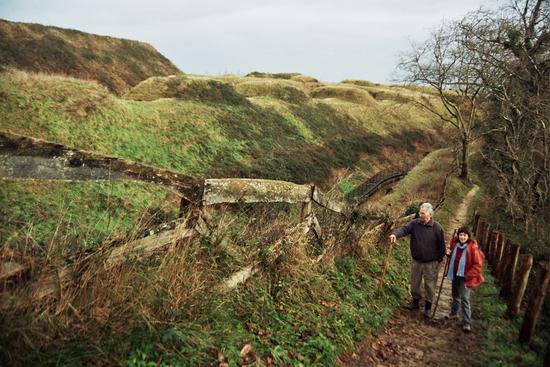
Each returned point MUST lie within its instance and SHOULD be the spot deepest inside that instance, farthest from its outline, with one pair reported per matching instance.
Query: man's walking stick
(385, 266)
(445, 269)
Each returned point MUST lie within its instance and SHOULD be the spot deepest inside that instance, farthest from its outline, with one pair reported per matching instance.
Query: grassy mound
(349, 94)
(263, 137)
(257, 74)
(116, 63)
(400, 94)
(304, 79)
(361, 83)
(75, 98)
(279, 89)
(183, 87)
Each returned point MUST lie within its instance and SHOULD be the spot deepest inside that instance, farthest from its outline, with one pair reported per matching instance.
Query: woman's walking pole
(385, 266)
(445, 269)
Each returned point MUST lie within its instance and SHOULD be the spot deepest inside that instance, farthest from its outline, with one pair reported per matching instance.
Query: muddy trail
(410, 341)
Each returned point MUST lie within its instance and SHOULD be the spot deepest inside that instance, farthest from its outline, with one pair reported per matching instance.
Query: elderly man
(427, 251)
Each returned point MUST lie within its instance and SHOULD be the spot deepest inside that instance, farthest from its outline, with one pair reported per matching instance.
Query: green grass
(37, 216)
(163, 309)
(499, 334)
(293, 312)
(531, 242)
(305, 321)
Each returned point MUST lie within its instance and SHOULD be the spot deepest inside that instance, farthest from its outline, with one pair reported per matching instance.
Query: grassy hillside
(213, 127)
(116, 63)
(205, 127)
(169, 311)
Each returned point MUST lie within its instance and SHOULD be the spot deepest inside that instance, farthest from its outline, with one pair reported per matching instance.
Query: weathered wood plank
(330, 204)
(239, 277)
(305, 212)
(317, 229)
(148, 244)
(293, 235)
(9, 269)
(49, 285)
(243, 190)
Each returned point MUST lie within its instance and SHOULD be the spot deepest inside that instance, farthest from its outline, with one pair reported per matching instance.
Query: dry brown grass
(361, 83)
(91, 298)
(116, 63)
(304, 79)
(257, 74)
(94, 298)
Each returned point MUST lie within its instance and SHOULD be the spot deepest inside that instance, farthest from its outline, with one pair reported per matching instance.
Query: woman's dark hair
(464, 229)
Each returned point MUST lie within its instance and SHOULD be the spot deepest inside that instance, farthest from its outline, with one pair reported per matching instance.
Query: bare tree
(512, 46)
(443, 63)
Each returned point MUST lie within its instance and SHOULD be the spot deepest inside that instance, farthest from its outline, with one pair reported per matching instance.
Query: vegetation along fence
(512, 271)
(30, 158)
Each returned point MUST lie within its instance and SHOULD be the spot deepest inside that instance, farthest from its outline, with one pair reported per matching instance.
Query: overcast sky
(330, 40)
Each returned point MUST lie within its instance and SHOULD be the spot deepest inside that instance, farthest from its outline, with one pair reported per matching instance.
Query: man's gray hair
(428, 208)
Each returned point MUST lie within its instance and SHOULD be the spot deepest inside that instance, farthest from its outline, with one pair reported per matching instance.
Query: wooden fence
(512, 272)
(29, 158)
(37, 156)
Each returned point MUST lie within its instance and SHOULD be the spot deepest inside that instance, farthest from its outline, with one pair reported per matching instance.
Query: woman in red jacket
(464, 273)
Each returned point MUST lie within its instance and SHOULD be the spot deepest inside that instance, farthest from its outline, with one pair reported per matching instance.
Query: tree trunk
(464, 160)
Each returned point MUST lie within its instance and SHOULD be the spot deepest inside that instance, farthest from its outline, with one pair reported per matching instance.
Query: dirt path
(410, 341)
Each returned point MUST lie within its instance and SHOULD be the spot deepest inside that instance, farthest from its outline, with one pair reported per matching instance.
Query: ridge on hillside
(116, 63)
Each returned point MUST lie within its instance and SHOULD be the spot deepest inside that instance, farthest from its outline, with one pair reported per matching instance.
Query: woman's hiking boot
(413, 304)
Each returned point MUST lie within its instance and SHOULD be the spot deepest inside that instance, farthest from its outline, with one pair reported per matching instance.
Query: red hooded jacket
(474, 263)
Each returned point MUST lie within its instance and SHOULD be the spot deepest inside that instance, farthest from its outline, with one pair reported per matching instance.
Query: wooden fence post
(520, 285)
(488, 248)
(479, 229)
(498, 253)
(493, 246)
(535, 304)
(509, 272)
(503, 261)
(480, 233)
(476, 223)
(486, 235)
